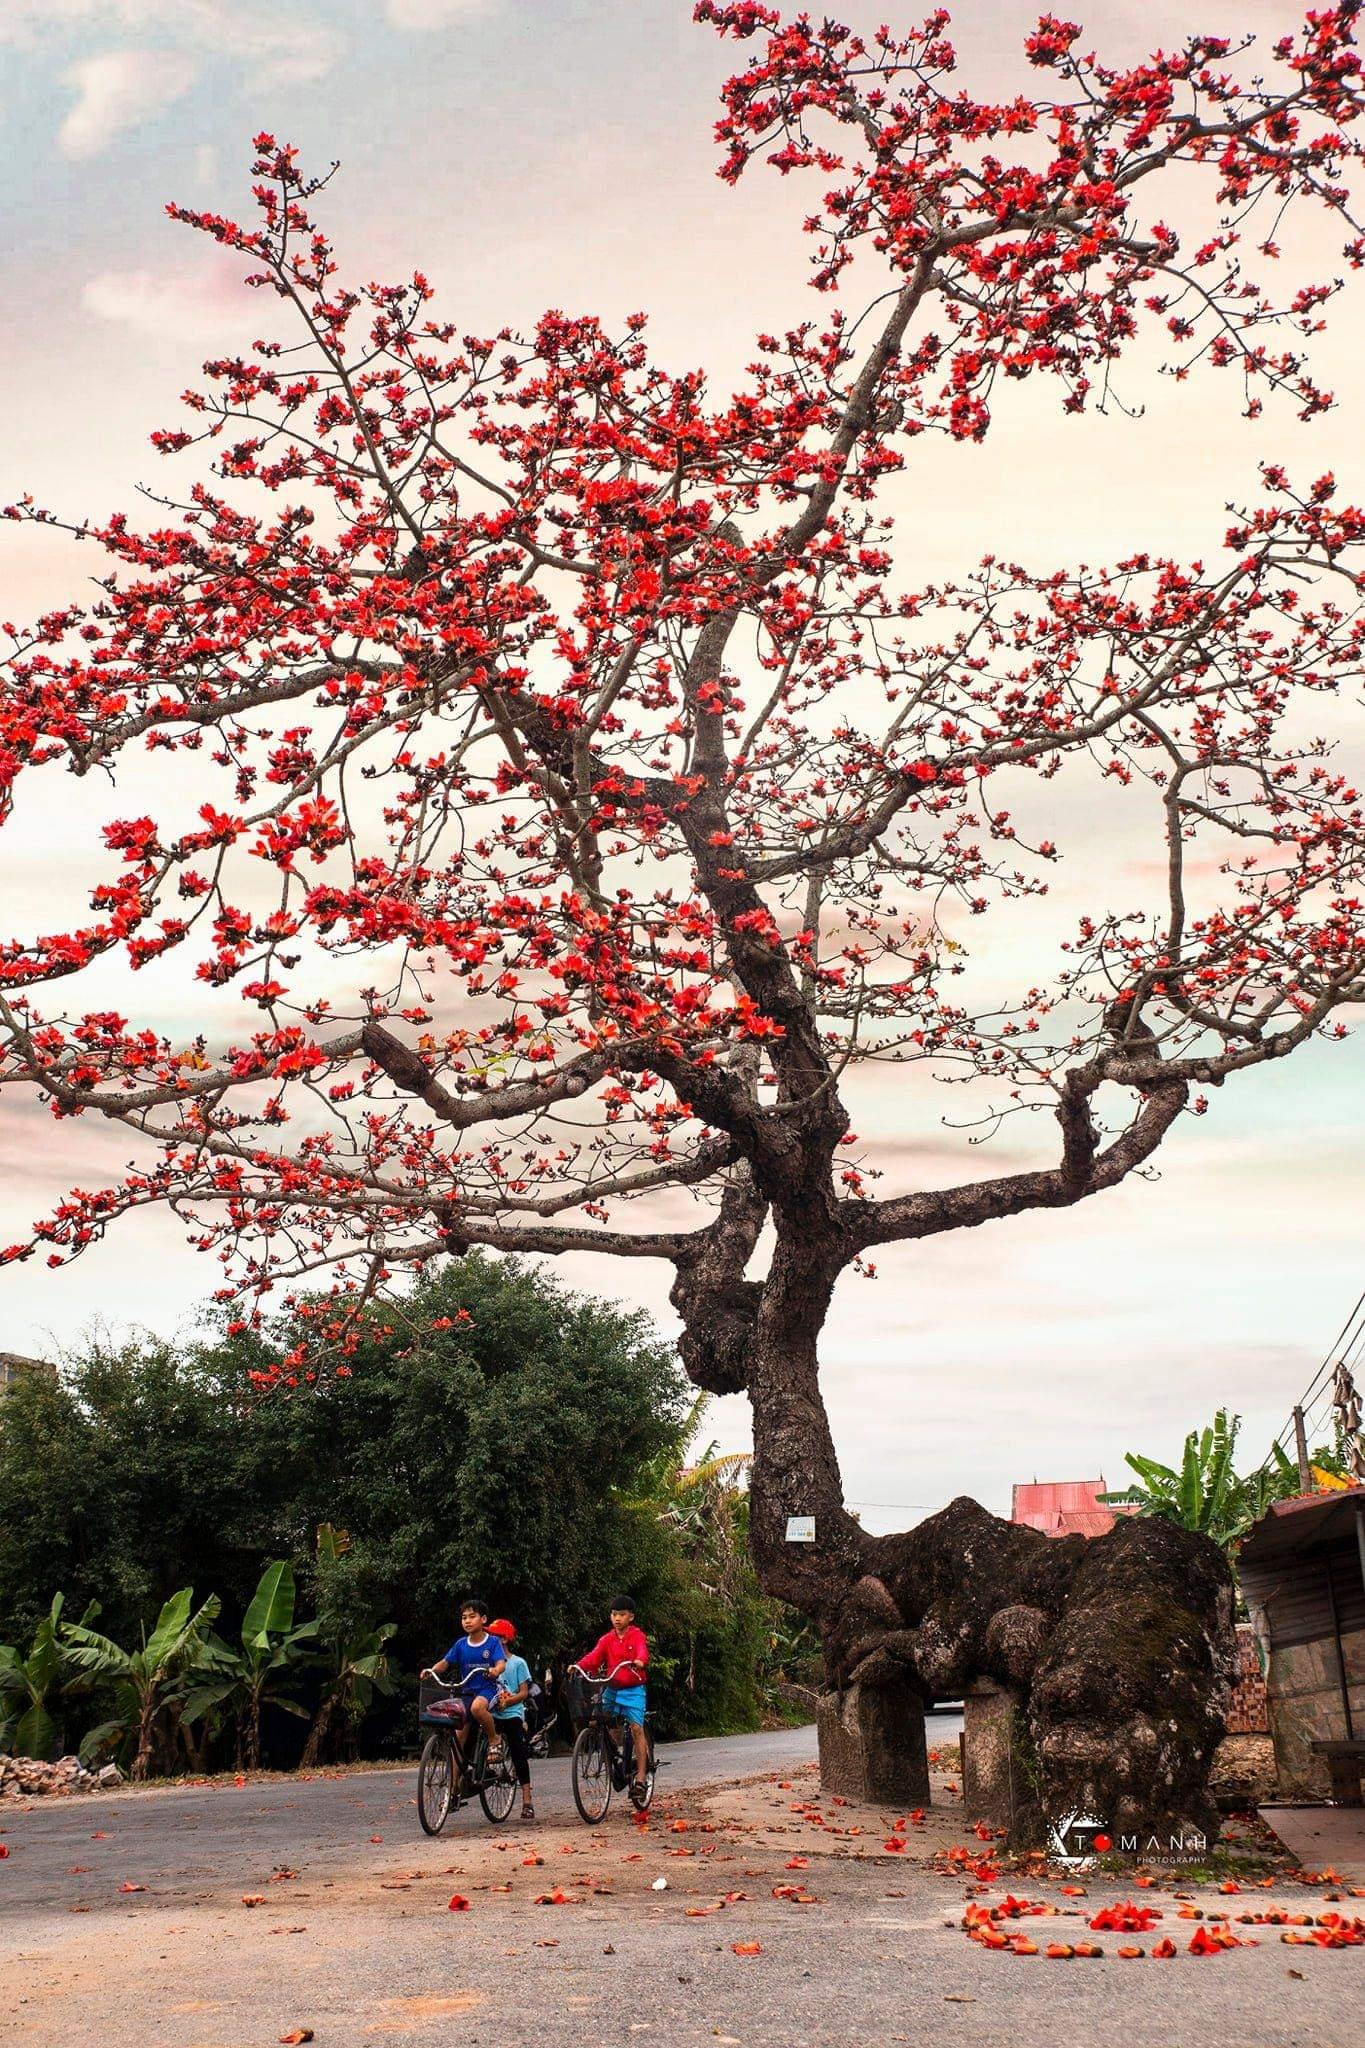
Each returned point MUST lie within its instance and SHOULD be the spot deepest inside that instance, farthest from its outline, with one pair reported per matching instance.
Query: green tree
(481, 1443)
(712, 1624)
(501, 1433)
(1203, 1493)
(146, 1682)
(124, 1479)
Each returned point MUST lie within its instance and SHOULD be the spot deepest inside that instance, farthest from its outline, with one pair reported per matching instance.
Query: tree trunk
(318, 1733)
(796, 1469)
(251, 1733)
(1117, 1651)
(196, 1743)
(142, 1761)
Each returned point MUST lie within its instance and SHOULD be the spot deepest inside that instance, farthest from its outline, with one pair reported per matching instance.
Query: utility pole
(1301, 1445)
(1346, 1401)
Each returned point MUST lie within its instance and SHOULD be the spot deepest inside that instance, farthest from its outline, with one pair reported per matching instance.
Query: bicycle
(445, 1778)
(604, 1752)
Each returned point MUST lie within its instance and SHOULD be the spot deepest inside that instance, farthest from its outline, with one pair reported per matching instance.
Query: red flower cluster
(556, 765)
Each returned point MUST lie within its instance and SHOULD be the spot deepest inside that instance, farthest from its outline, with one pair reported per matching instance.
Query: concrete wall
(1305, 1704)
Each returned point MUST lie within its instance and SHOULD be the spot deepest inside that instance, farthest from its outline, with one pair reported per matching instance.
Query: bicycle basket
(580, 1696)
(440, 1706)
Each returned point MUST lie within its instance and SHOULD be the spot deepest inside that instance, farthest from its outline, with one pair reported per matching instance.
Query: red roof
(1063, 1507)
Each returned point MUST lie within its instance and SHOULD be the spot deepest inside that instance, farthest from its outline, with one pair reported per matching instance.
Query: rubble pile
(24, 1777)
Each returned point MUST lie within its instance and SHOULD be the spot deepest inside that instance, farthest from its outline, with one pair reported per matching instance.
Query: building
(1302, 1573)
(14, 1367)
(1064, 1507)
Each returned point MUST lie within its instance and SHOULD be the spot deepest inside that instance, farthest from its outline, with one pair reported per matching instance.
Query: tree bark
(1118, 1651)
(142, 1760)
(796, 1468)
(318, 1733)
(251, 1733)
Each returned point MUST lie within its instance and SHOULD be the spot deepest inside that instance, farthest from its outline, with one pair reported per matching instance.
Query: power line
(1348, 1342)
(895, 1507)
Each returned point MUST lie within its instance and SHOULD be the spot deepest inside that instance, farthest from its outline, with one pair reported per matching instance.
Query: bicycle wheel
(498, 1789)
(591, 1776)
(435, 1784)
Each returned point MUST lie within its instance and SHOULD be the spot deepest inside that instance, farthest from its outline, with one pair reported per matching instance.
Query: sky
(533, 153)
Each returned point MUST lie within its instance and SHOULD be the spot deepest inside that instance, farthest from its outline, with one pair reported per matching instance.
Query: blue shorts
(627, 1702)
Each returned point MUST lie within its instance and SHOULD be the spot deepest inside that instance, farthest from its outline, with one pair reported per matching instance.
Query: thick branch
(1083, 1172)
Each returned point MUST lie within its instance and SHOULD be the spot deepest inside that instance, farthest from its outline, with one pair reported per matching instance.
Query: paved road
(178, 1840)
(353, 1937)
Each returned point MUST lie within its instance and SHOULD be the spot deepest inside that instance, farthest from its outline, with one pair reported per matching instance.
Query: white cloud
(279, 52)
(422, 16)
(118, 90)
(271, 50)
(163, 304)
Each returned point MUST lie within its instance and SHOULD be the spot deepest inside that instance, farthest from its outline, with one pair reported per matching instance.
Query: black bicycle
(604, 1750)
(446, 1777)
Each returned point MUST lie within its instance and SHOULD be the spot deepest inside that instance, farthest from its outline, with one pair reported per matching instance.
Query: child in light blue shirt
(509, 1711)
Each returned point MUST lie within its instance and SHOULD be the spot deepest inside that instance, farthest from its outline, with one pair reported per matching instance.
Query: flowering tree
(572, 784)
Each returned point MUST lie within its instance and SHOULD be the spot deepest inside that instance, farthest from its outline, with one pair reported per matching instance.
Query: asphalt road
(352, 1936)
(182, 1840)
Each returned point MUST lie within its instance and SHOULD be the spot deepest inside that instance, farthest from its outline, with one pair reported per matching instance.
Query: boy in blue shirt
(509, 1711)
(479, 1657)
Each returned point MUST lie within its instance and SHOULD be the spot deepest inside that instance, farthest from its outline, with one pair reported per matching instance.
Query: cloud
(118, 90)
(271, 50)
(281, 53)
(168, 304)
(422, 16)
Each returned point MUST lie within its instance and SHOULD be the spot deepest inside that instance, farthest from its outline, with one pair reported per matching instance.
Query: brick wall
(1248, 1714)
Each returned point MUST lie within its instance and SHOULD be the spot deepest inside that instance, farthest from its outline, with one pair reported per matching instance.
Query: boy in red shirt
(620, 1656)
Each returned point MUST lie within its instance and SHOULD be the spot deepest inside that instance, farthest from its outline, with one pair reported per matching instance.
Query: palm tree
(245, 1680)
(147, 1681)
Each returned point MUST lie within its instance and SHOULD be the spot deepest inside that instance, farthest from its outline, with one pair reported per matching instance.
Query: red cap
(503, 1629)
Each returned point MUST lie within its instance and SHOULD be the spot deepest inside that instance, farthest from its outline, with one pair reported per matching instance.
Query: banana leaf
(271, 1612)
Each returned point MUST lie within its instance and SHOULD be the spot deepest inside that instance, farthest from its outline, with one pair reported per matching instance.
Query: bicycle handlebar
(455, 1684)
(636, 1673)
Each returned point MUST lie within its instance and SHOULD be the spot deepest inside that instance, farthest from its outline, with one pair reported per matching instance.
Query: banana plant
(1204, 1493)
(27, 1725)
(148, 1681)
(1277, 1479)
(360, 1668)
(244, 1681)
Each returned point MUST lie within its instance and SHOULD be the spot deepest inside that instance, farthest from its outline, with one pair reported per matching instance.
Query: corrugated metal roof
(1290, 1527)
(1075, 1522)
(1062, 1507)
(1294, 1593)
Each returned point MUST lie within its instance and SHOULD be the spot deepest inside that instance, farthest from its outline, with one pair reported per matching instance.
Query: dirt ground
(751, 1911)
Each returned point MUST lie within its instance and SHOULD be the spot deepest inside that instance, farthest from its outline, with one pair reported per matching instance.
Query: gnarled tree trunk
(1117, 1651)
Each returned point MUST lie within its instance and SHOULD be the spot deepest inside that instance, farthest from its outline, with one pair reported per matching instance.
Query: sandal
(528, 1813)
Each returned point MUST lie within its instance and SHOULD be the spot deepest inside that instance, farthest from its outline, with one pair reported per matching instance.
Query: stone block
(872, 1744)
(987, 1759)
